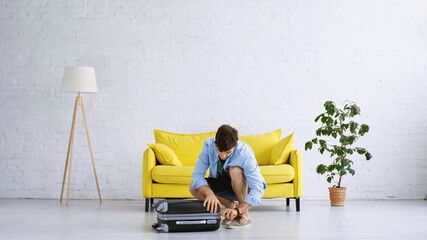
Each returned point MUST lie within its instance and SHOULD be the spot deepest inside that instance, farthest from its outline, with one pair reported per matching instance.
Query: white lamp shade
(79, 79)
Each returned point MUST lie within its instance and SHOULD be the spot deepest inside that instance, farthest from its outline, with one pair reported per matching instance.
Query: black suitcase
(184, 216)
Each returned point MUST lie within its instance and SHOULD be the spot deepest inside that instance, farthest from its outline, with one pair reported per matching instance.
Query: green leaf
(339, 151)
(354, 110)
(321, 169)
(343, 140)
(363, 129)
(353, 126)
(308, 145)
(331, 167)
(317, 118)
(321, 150)
(329, 121)
(353, 139)
(334, 134)
(344, 126)
(323, 119)
(351, 171)
(314, 140)
(329, 179)
(361, 150)
(322, 143)
(368, 156)
(325, 132)
(346, 162)
(331, 110)
(336, 111)
(337, 160)
(329, 107)
(328, 103)
(348, 140)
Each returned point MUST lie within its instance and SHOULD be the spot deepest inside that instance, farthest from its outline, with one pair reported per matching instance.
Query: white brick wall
(189, 66)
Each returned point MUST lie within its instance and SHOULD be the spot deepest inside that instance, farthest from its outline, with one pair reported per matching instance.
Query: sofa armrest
(149, 161)
(296, 162)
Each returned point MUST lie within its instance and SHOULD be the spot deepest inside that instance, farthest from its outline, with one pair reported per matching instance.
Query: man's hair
(226, 138)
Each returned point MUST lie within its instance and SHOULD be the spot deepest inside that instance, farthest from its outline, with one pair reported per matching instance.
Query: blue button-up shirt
(242, 156)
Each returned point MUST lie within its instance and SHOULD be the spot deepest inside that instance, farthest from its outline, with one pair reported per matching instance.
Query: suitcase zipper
(188, 217)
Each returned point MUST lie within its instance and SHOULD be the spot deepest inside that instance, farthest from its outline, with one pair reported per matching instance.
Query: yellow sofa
(284, 180)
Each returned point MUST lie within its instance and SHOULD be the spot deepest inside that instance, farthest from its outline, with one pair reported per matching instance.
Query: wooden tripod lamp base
(78, 79)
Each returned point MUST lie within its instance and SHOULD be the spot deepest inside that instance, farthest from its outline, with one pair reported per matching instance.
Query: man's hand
(212, 203)
(229, 213)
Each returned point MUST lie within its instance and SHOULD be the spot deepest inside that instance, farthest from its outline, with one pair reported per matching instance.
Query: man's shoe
(239, 222)
(225, 222)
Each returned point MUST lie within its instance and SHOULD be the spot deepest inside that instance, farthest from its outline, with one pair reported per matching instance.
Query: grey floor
(86, 219)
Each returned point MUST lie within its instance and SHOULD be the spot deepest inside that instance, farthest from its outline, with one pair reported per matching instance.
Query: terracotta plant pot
(337, 196)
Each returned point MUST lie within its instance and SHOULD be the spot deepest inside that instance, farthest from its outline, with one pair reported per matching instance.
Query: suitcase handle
(190, 222)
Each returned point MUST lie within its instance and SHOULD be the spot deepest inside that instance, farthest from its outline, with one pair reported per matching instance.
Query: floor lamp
(78, 80)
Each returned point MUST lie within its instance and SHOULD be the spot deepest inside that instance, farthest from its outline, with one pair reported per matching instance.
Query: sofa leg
(297, 203)
(287, 201)
(151, 202)
(147, 202)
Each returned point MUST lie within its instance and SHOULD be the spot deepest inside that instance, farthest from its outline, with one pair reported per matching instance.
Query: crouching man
(234, 176)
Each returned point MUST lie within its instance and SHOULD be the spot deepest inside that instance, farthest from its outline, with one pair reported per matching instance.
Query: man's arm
(255, 181)
(206, 190)
(201, 167)
(211, 202)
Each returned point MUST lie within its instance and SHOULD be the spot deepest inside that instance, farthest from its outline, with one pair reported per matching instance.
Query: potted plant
(342, 133)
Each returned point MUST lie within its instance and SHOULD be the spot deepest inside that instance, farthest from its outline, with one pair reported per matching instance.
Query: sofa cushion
(173, 174)
(186, 146)
(164, 154)
(183, 175)
(282, 150)
(277, 173)
(262, 145)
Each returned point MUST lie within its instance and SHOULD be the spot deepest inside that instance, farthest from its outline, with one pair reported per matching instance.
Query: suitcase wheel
(160, 227)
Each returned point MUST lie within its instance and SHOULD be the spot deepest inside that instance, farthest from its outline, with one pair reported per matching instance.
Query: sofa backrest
(262, 145)
(187, 147)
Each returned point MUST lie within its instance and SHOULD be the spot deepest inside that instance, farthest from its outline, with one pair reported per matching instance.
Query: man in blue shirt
(234, 176)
